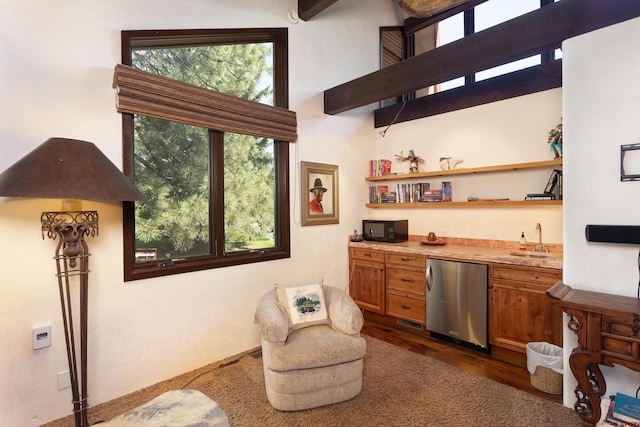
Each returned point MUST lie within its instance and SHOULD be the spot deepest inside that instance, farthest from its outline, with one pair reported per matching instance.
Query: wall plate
(41, 337)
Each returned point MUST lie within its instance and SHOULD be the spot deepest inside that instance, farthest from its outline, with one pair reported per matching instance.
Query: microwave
(391, 231)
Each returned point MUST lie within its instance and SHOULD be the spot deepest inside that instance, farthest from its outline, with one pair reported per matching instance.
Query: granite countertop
(478, 251)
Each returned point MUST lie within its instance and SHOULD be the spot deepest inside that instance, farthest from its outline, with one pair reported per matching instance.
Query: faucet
(539, 247)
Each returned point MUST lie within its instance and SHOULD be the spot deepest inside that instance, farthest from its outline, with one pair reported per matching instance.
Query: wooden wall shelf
(468, 171)
(465, 171)
(478, 204)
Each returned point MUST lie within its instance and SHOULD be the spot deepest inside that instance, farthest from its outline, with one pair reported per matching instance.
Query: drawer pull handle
(406, 307)
(369, 255)
(405, 280)
(404, 258)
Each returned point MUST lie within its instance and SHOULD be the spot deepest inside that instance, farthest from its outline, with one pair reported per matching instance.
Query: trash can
(544, 363)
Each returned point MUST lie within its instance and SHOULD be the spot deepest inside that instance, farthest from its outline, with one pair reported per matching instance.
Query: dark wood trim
(307, 9)
(529, 80)
(527, 35)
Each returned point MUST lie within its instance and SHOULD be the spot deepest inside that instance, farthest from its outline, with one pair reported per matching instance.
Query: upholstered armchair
(316, 365)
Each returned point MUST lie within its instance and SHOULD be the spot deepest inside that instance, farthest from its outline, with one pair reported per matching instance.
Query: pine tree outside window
(214, 198)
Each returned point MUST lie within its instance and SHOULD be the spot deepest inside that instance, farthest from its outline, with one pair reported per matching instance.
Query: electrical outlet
(64, 380)
(41, 337)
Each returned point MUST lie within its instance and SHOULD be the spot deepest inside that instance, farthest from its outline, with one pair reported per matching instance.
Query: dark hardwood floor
(460, 357)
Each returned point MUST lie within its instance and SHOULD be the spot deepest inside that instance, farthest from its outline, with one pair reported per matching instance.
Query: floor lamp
(71, 170)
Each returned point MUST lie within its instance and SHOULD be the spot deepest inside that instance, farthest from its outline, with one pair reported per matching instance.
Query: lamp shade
(63, 168)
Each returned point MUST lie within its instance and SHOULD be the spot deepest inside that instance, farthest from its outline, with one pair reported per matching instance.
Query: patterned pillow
(304, 304)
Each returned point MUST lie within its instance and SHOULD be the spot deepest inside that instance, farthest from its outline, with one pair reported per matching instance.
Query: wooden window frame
(177, 38)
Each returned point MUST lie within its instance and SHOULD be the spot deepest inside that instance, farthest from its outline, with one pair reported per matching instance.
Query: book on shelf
(626, 408)
(379, 167)
(376, 192)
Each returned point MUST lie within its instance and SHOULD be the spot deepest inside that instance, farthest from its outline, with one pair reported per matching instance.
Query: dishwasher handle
(429, 278)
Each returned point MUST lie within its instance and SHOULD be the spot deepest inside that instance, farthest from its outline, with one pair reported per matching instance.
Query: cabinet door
(367, 285)
(520, 311)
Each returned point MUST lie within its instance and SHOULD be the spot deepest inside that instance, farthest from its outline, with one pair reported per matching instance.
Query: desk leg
(591, 386)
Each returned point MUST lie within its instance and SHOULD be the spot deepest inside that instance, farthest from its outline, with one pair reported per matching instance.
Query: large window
(484, 15)
(214, 198)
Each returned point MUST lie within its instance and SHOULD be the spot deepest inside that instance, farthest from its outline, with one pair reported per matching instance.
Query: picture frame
(630, 162)
(319, 194)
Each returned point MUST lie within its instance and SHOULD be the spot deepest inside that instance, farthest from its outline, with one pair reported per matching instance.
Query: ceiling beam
(307, 9)
(529, 34)
(523, 82)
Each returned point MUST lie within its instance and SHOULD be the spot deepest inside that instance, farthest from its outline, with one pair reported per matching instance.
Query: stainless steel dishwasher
(457, 302)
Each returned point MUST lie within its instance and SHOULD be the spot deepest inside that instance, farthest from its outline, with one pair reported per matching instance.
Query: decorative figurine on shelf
(555, 139)
(414, 160)
(449, 163)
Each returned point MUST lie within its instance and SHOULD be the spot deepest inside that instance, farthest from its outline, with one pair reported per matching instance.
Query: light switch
(41, 337)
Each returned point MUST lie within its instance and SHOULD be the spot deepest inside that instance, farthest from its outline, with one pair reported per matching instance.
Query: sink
(533, 255)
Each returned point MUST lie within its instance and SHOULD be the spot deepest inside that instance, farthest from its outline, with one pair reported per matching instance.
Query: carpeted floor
(400, 388)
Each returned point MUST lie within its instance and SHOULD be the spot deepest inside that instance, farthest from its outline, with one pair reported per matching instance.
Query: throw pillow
(304, 304)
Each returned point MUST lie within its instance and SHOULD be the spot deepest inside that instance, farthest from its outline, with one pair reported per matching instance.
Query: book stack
(379, 167)
(418, 190)
(375, 193)
(404, 193)
(411, 193)
(624, 410)
(389, 197)
(432, 196)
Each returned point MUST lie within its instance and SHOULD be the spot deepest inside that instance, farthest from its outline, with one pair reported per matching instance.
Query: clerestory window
(215, 196)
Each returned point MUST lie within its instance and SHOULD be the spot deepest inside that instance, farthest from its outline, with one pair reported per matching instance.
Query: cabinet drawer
(406, 308)
(412, 260)
(367, 254)
(404, 280)
(525, 274)
(620, 337)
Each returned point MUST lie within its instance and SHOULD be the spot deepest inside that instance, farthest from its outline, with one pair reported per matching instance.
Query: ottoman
(178, 408)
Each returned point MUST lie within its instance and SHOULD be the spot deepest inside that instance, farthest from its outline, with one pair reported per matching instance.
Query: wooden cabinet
(366, 283)
(519, 310)
(607, 334)
(406, 286)
(389, 283)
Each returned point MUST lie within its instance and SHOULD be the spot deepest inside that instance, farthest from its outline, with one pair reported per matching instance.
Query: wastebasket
(544, 363)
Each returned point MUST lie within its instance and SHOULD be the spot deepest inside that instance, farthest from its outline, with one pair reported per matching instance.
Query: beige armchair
(314, 366)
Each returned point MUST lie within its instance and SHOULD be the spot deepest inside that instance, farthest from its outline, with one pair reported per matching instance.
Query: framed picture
(319, 193)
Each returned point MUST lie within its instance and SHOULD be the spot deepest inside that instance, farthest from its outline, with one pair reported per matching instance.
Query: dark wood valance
(140, 92)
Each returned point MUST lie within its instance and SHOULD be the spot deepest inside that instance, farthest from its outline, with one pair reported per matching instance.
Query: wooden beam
(533, 79)
(527, 35)
(307, 9)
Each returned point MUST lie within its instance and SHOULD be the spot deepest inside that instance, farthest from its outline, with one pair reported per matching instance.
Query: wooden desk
(608, 329)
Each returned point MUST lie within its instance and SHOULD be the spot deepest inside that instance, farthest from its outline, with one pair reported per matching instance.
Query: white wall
(601, 105)
(55, 80)
(510, 131)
